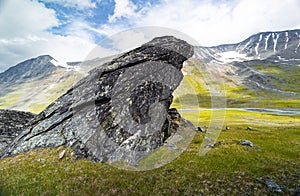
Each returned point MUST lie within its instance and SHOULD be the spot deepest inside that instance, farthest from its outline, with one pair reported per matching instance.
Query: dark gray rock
(246, 143)
(119, 112)
(11, 125)
(202, 129)
(272, 185)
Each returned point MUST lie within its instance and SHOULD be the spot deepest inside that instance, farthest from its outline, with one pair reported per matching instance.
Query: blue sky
(70, 29)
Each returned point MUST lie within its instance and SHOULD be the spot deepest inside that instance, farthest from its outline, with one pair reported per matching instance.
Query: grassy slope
(196, 86)
(227, 169)
(35, 96)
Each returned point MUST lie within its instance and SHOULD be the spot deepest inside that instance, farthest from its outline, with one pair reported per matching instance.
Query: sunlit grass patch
(9, 100)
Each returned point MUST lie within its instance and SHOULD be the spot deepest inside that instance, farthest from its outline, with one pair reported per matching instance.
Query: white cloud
(213, 22)
(134, 37)
(123, 8)
(22, 18)
(24, 34)
(78, 4)
(24, 25)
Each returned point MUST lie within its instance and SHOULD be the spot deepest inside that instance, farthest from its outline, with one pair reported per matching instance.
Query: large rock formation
(119, 111)
(11, 125)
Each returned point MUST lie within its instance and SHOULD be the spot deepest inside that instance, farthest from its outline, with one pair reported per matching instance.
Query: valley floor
(271, 167)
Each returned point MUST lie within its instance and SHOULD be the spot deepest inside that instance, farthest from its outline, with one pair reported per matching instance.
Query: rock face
(11, 124)
(119, 112)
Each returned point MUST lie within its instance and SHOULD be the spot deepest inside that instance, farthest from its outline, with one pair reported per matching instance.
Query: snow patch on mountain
(64, 65)
(231, 56)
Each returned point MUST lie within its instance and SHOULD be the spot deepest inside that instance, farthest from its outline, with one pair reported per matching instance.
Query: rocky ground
(12, 123)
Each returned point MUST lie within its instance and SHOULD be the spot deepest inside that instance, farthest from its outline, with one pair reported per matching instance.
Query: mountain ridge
(34, 68)
(278, 45)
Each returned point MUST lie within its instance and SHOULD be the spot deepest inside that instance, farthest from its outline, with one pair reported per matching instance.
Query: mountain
(261, 71)
(281, 46)
(263, 66)
(32, 69)
(35, 83)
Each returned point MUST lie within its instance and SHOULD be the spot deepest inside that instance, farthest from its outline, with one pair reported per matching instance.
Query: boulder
(246, 143)
(119, 112)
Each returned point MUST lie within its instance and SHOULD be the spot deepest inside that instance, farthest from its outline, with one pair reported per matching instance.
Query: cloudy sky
(69, 30)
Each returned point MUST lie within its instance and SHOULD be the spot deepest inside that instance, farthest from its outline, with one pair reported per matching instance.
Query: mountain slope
(279, 46)
(32, 69)
(33, 84)
(261, 71)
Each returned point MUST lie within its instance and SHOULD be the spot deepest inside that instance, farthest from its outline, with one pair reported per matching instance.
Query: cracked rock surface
(11, 125)
(119, 112)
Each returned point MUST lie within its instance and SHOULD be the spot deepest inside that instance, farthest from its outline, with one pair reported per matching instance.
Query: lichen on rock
(11, 125)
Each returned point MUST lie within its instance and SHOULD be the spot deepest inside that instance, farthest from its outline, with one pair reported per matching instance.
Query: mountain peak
(45, 56)
(34, 68)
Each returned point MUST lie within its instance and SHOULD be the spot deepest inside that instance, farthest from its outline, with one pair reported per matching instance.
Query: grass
(196, 89)
(9, 100)
(37, 108)
(60, 89)
(227, 169)
(288, 76)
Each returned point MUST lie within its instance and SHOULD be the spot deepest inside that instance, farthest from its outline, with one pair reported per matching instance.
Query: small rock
(209, 145)
(249, 128)
(61, 154)
(41, 160)
(201, 129)
(167, 171)
(273, 185)
(246, 143)
(170, 145)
